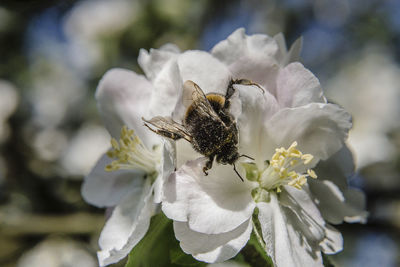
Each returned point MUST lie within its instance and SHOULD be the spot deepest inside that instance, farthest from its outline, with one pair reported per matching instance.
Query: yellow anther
(312, 173)
(282, 169)
(295, 153)
(293, 145)
(130, 153)
(114, 143)
(307, 158)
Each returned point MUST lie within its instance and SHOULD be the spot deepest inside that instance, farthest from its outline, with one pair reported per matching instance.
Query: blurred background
(53, 53)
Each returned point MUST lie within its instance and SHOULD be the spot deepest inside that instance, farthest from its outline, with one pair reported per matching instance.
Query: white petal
(167, 90)
(166, 169)
(282, 48)
(319, 129)
(337, 168)
(212, 248)
(256, 109)
(285, 57)
(284, 244)
(250, 57)
(334, 206)
(333, 242)
(154, 61)
(205, 70)
(106, 189)
(356, 201)
(297, 86)
(212, 204)
(123, 99)
(305, 215)
(127, 225)
(294, 51)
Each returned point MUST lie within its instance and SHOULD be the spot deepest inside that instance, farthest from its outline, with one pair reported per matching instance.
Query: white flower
(128, 177)
(291, 126)
(214, 215)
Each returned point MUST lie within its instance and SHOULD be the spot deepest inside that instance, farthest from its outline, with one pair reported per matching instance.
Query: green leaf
(256, 243)
(182, 259)
(153, 249)
(254, 253)
(159, 247)
(327, 261)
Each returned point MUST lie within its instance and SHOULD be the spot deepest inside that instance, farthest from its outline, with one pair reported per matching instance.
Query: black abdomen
(208, 133)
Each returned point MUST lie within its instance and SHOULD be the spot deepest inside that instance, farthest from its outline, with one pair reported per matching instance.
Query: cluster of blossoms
(291, 131)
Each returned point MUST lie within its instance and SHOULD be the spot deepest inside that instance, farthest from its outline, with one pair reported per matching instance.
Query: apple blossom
(128, 176)
(288, 130)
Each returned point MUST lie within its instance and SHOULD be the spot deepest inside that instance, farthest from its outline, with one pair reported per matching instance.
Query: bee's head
(232, 158)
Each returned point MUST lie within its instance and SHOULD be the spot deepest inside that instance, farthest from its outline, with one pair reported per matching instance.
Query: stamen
(282, 169)
(130, 153)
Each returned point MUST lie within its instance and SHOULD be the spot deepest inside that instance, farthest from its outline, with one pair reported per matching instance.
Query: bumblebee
(207, 125)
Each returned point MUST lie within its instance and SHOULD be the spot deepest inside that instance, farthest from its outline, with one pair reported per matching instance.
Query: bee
(207, 125)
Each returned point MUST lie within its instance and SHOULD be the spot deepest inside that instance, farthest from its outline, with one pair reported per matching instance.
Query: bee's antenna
(234, 168)
(243, 155)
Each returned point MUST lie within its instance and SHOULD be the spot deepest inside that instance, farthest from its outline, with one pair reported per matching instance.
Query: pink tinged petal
(204, 70)
(337, 207)
(153, 62)
(212, 247)
(282, 48)
(284, 244)
(333, 242)
(107, 189)
(319, 129)
(123, 99)
(213, 204)
(127, 225)
(251, 57)
(285, 57)
(297, 86)
(294, 51)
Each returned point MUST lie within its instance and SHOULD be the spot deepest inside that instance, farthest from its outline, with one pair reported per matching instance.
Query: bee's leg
(171, 135)
(232, 82)
(234, 168)
(208, 164)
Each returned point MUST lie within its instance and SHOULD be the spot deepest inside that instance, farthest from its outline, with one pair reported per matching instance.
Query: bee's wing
(166, 127)
(188, 91)
(193, 95)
